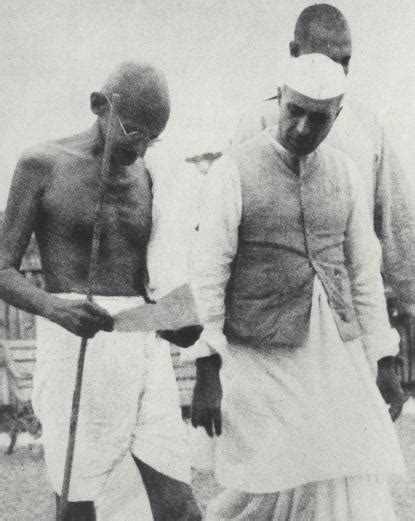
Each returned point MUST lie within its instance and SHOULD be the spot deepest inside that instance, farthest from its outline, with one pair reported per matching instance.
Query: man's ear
(99, 103)
(294, 49)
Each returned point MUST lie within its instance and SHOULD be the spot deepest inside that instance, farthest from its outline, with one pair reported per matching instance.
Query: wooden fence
(18, 345)
(18, 349)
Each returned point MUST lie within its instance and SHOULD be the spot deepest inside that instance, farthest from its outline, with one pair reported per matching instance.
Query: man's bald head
(144, 94)
(322, 28)
(142, 112)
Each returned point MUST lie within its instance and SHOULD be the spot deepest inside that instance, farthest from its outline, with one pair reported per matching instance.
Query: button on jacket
(389, 192)
(268, 230)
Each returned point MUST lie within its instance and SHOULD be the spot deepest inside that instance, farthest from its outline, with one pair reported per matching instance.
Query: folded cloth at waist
(129, 401)
(113, 304)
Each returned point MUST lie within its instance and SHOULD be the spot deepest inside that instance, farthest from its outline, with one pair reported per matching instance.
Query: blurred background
(220, 57)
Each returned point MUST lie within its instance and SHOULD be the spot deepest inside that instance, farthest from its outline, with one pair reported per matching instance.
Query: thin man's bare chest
(69, 204)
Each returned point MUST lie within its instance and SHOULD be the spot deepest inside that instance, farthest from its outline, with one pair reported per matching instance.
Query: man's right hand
(207, 396)
(81, 317)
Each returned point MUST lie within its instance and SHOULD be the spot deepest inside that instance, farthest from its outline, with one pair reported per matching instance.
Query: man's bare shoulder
(33, 168)
(45, 157)
(38, 156)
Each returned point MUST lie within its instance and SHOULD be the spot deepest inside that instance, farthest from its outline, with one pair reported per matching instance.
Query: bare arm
(21, 219)
(22, 214)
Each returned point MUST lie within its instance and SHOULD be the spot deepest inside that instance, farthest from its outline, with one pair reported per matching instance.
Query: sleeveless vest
(292, 228)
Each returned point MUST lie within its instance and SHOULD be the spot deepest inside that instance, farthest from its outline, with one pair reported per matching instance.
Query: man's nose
(303, 126)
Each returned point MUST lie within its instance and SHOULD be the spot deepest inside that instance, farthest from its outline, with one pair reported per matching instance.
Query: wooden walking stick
(93, 264)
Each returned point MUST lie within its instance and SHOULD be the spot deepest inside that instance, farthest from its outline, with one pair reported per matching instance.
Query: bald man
(322, 28)
(287, 280)
(129, 412)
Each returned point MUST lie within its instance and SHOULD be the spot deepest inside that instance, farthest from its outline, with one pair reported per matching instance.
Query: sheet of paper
(174, 311)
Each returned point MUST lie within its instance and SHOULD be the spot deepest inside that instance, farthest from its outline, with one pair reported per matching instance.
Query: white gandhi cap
(315, 76)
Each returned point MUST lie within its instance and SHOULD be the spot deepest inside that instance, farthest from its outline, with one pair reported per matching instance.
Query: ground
(404, 490)
(25, 494)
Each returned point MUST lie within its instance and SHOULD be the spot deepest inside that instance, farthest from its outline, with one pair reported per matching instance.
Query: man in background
(322, 28)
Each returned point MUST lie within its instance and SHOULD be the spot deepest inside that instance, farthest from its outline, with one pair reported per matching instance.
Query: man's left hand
(390, 387)
(184, 337)
(207, 396)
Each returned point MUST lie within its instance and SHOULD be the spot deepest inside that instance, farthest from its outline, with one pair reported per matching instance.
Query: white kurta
(294, 415)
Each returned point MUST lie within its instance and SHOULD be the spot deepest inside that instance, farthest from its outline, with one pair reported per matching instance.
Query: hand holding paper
(183, 337)
(174, 311)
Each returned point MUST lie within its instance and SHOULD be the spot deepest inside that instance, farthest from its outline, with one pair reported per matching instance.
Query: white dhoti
(359, 498)
(304, 426)
(129, 404)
